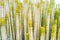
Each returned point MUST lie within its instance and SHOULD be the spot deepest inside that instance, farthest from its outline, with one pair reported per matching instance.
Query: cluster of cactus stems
(29, 20)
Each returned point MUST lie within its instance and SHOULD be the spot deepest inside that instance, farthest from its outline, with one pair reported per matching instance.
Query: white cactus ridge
(17, 28)
(25, 11)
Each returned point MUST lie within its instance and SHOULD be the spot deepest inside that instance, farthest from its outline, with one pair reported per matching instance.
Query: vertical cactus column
(48, 23)
(2, 21)
(42, 31)
(30, 27)
(25, 14)
(54, 29)
(18, 26)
